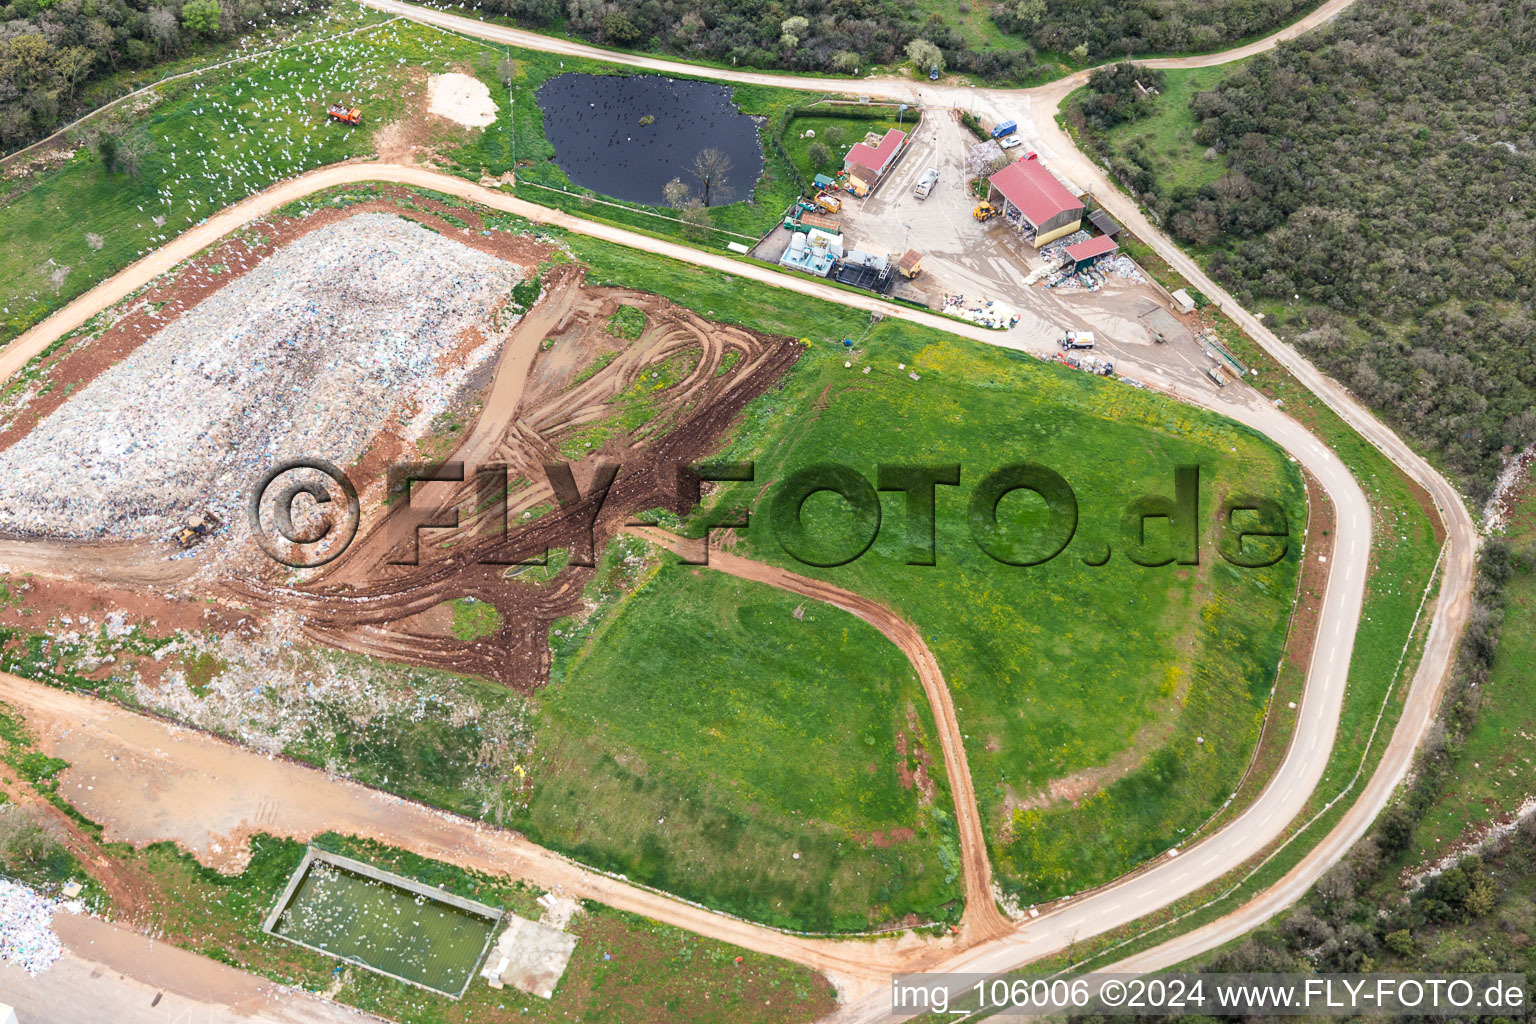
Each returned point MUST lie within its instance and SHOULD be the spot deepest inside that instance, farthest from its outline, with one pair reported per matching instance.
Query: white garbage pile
(27, 938)
(308, 355)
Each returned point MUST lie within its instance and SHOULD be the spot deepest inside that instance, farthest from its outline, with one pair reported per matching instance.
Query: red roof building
(877, 159)
(1035, 201)
(1086, 252)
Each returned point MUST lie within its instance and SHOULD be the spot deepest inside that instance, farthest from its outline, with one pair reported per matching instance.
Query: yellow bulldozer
(984, 211)
(199, 526)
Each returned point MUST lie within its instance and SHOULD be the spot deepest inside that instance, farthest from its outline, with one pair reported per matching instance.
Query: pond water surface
(593, 121)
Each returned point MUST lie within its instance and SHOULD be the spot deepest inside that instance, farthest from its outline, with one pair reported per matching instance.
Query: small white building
(1182, 300)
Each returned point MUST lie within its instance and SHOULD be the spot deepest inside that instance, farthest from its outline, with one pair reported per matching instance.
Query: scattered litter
(27, 938)
(308, 354)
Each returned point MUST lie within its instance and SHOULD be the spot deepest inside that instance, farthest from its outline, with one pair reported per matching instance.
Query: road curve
(1110, 907)
(1458, 563)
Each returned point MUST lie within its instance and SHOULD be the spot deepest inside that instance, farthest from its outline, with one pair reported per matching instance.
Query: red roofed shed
(1087, 252)
(1036, 201)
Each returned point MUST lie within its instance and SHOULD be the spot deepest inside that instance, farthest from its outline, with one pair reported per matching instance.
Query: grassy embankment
(1496, 770)
(1108, 635)
(625, 970)
(837, 133)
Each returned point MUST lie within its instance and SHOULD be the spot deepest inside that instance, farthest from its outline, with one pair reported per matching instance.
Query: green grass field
(385, 927)
(838, 133)
(210, 141)
(1107, 709)
(731, 742)
(1164, 140)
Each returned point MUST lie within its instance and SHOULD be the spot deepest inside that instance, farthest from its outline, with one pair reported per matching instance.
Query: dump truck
(984, 211)
(829, 202)
(198, 527)
(346, 115)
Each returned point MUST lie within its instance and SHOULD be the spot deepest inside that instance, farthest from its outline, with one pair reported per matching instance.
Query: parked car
(1006, 128)
(925, 183)
(1012, 142)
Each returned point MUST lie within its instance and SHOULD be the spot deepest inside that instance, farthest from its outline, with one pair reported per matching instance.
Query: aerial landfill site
(364, 334)
(366, 331)
(309, 354)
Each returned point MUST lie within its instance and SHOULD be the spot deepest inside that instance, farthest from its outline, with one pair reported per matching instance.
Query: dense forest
(1381, 178)
(51, 51)
(1104, 29)
(806, 35)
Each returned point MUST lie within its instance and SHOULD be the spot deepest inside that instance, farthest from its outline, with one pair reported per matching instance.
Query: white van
(925, 183)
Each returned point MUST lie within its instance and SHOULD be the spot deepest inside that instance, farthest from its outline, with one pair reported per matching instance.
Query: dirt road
(146, 781)
(982, 921)
(943, 93)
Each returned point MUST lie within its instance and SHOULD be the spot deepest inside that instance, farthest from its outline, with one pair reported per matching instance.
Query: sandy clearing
(461, 99)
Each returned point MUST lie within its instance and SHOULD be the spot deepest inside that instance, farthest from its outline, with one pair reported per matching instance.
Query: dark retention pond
(593, 121)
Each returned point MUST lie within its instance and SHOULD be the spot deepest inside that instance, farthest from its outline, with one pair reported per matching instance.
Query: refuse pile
(27, 938)
(995, 315)
(308, 355)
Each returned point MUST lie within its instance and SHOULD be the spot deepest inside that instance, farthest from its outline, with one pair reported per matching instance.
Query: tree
(712, 168)
(617, 28)
(131, 152)
(845, 61)
(506, 71)
(925, 55)
(1028, 14)
(833, 136)
(106, 148)
(676, 193)
(74, 64)
(163, 29)
(1399, 942)
(201, 18)
(792, 30)
(821, 154)
(696, 216)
